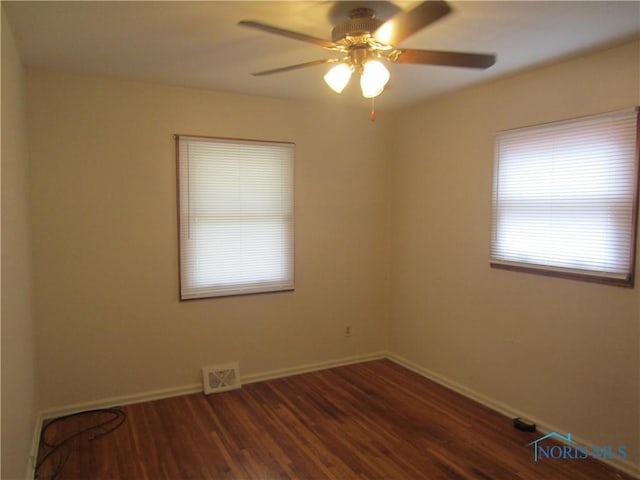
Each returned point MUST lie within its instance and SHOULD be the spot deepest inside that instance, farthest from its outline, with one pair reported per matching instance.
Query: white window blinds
(565, 197)
(235, 216)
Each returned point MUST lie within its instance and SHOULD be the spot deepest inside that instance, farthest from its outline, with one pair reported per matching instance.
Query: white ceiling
(198, 44)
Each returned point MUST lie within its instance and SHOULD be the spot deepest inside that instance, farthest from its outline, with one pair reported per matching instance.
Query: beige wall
(105, 238)
(105, 247)
(564, 352)
(19, 403)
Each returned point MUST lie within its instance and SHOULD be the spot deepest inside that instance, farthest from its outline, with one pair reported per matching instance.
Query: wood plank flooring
(374, 420)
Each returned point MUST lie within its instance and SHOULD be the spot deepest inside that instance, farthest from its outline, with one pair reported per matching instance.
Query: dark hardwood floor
(372, 420)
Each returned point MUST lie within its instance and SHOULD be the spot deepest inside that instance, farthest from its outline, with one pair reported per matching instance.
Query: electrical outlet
(347, 330)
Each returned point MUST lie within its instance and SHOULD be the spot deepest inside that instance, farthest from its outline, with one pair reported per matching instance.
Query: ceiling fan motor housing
(361, 22)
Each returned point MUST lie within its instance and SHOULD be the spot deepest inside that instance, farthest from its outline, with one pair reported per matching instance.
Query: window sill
(583, 277)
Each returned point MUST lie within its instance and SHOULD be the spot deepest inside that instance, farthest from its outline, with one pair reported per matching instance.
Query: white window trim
(234, 220)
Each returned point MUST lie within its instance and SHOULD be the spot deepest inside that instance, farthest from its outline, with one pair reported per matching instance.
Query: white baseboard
(311, 367)
(104, 403)
(121, 400)
(625, 466)
(197, 387)
(542, 426)
(33, 452)
(177, 391)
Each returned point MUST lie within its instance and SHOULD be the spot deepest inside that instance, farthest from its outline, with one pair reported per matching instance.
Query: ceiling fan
(365, 42)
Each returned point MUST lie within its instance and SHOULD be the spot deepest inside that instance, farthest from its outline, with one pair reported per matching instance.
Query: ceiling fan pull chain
(372, 115)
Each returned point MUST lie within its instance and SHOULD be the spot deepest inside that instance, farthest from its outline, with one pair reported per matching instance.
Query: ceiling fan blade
(405, 24)
(295, 67)
(452, 59)
(288, 33)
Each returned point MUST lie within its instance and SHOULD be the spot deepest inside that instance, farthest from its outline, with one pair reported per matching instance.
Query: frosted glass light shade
(374, 77)
(338, 77)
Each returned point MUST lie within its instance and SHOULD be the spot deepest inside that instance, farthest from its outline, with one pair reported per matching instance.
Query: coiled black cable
(62, 450)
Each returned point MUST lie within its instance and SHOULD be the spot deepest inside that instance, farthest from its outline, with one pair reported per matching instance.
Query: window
(564, 200)
(235, 216)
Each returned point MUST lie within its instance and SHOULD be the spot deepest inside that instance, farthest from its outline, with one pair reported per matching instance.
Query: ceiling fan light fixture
(373, 79)
(364, 39)
(338, 77)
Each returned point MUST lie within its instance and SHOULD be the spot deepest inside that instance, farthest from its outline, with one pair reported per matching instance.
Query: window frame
(573, 273)
(272, 287)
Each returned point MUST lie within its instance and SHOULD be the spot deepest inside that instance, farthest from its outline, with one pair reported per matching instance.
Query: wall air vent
(220, 378)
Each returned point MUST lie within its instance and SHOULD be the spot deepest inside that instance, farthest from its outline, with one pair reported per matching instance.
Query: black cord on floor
(60, 451)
